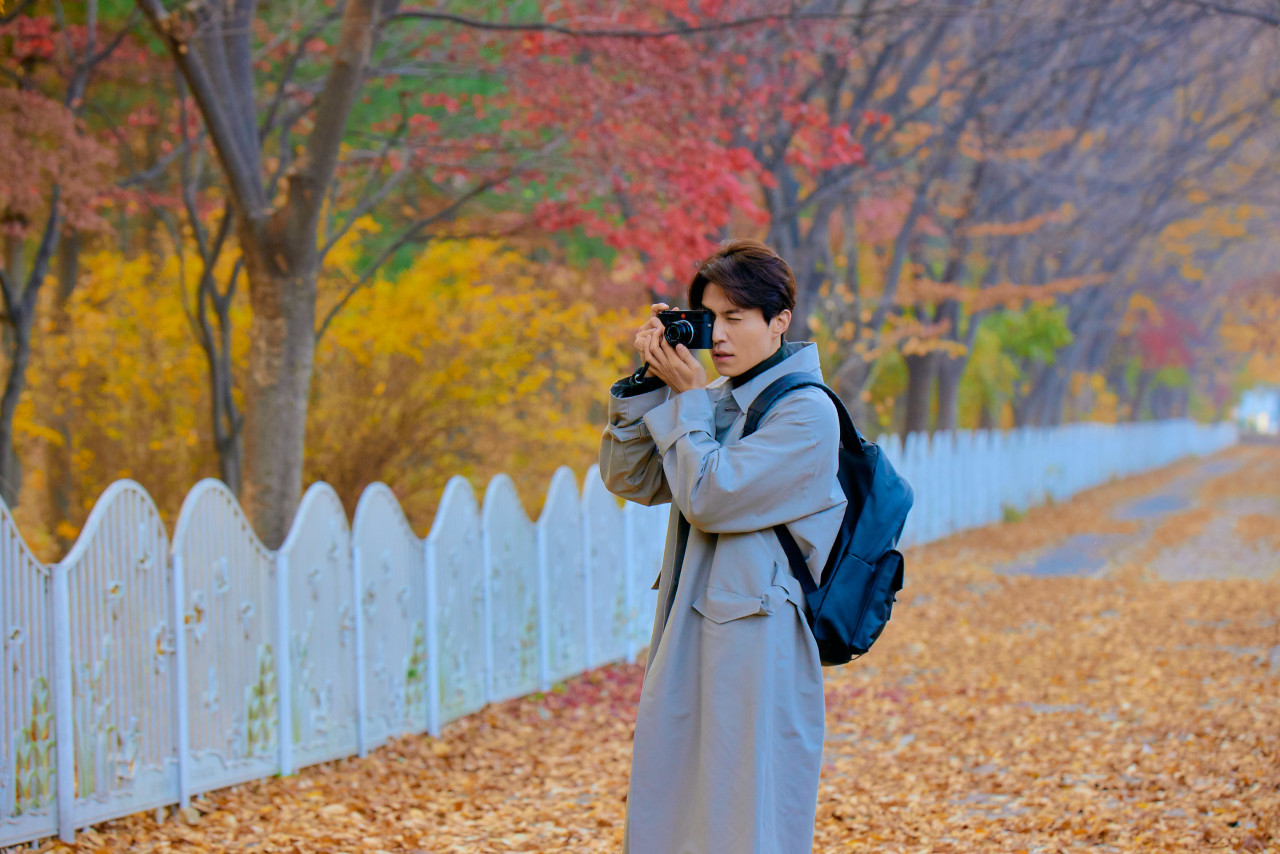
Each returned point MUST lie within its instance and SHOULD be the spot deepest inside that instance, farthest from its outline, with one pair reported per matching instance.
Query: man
(729, 730)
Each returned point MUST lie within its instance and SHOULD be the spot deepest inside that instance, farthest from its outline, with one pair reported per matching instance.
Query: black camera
(688, 326)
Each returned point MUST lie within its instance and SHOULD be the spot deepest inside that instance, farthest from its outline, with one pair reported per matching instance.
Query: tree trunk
(986, 417)
(1116, 382)
(19, 355)
(15, 266)
(1060, 384)
(950, 370)
(1140, 394)
(229, 441)
(921, 369)
(850, 381)
(20, 308)
(278, 238)
(281, 355)
(1030, 409)
(58, 472)
(1159, 403)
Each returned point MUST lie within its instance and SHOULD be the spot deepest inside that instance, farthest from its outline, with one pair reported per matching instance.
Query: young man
(729, 732)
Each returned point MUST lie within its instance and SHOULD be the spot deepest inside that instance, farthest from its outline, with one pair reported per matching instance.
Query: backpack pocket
(851, 609)
(881, 595)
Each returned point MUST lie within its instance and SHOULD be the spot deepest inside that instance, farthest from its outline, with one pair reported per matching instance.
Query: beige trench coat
(730, 725)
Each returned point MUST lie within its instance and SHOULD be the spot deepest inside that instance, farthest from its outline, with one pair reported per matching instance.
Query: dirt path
(1102, 675)
(1214, 518)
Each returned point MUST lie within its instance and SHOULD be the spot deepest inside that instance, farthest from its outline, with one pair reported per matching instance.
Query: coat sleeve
(630, 464)
(781, 472)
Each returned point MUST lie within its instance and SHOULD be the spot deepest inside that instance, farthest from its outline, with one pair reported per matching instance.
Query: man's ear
(781, 321)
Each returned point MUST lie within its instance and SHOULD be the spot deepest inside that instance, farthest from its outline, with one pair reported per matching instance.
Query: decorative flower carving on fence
(35, 768)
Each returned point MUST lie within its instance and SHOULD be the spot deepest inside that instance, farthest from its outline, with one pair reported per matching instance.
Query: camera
(688, 326)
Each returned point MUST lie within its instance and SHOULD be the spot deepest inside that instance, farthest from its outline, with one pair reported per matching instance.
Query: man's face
(740, 338)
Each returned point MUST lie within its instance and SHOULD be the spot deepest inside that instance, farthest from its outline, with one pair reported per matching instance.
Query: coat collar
(801, 356)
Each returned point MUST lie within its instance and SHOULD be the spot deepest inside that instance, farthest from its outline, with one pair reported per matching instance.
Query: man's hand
(676, 367)
(653, 326)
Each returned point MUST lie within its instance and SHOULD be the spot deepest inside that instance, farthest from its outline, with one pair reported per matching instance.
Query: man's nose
(718, 332)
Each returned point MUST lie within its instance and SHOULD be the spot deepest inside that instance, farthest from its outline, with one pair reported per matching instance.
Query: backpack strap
(850, 438)
(799, 568)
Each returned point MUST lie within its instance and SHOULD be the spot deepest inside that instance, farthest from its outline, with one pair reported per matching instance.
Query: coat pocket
(721, 606)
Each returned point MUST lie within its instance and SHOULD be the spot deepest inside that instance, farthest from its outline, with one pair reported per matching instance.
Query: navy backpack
(863, 572)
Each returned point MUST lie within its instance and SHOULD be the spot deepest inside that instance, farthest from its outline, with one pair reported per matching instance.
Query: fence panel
(606, 567)
(454, 562)
(120, 636)
(646, 531)
(28, 757)
(388, 563)
(224, 580)
(912, 469)
(511, 570)
(320, 630)
(165, 673)
(564, 580)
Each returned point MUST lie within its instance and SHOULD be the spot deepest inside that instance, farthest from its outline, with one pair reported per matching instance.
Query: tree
(56, 174)
(281, 209)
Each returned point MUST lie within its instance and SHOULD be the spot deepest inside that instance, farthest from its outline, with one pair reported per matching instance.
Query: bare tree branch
(17, 10)
(246, 183)
(407, 236)
(716, 26)
(1271, 18)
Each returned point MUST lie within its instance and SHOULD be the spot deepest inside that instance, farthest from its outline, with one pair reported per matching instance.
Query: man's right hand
(653, 326)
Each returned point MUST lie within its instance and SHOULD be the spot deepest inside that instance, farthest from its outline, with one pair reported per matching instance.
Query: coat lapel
(802, 357)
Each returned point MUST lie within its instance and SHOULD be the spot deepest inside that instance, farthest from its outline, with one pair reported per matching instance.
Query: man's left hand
(676, 367)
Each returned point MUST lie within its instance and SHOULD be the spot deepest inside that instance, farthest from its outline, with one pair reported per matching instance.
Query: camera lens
(680, 332)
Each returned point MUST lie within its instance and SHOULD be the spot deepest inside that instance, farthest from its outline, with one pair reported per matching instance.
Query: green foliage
(1173, 377)
(889, 382)
(581, 249)
(1034, 335)
(415, 681)
(34, 760)
(1005, 344)
(1009, 513)
(1132, 369)
(989, 377)
(263, 705)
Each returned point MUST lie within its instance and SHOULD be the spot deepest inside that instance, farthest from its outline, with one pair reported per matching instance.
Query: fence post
(433, 640)
(63, 723)
(362, 748)
(588, 625)
(284, 668)
(630, 573)
(180, 679)
(544, 643)
(486, 597)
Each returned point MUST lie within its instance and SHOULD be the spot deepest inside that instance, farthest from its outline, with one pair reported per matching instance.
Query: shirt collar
(799, 356)
(759, 367)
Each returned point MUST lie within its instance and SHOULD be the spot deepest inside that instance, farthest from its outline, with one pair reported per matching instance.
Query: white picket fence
(170, 667)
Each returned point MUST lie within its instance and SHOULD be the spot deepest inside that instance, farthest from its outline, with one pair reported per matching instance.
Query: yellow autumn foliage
(1092, 399)
(469, 362)
(1251, 327)
(120, 391)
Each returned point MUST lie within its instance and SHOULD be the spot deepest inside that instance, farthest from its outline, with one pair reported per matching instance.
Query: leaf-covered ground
(1133, 707)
